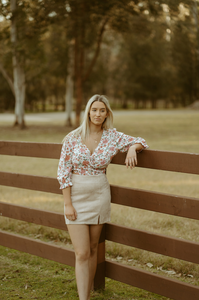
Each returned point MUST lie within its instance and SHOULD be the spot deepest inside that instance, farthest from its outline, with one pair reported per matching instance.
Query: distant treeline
(138, 53)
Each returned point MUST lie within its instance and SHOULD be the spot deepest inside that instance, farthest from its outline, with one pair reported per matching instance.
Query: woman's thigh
(95, 231)
(83, 236)
(80, 237)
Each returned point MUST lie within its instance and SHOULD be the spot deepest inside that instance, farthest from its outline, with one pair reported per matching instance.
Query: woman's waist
(89, 180)
(89, 172)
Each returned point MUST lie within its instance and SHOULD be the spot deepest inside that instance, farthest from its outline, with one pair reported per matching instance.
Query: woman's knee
(82, 255)
(93, 248)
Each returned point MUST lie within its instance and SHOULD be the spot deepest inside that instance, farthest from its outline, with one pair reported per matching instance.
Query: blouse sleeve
(65, 167)
(124, 142)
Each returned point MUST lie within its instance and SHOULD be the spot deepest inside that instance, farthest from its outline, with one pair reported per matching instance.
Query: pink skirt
(91, 197)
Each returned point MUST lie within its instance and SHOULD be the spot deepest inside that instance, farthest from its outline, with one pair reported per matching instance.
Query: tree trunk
(79, 58)
(78, 80)
(43, 104)
(195, 16)
(18, 72)
(80, 74)
(166, 103)
(124, 103)
(69, 85)
(19, 86)
(78, 99)
(136, 104)
(8, 79)
(144, 104)
(154, 103)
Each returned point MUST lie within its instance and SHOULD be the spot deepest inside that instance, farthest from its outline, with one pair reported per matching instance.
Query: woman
(86, 153)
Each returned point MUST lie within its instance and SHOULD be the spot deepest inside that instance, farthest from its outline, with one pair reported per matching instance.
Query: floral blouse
(75, 156)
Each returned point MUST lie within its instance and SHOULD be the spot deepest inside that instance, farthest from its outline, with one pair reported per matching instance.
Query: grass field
(163, 130)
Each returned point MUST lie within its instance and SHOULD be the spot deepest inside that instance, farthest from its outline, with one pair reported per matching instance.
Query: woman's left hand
(131, 157)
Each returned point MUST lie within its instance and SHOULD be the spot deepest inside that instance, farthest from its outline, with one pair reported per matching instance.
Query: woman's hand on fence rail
(131, 157)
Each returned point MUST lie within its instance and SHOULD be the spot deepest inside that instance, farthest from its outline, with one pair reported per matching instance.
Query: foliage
(148, 51)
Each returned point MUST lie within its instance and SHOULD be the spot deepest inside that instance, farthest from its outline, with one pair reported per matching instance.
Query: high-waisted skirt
(91, 197)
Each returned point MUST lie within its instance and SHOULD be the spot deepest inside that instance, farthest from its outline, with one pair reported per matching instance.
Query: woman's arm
(70, 211)
(131, 157)
(129, 144)
(65, 167)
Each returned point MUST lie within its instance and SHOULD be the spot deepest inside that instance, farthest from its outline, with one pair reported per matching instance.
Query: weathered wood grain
(30, 149)
(32, 215)
(173, 247)
(171, 288)
(153, 201)
(153, 159)
(36, 247)
(157, 243)
(164, 160)
(31, 182)
(159, 202)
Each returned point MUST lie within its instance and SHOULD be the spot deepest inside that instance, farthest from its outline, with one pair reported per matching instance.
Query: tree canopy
(138, 53)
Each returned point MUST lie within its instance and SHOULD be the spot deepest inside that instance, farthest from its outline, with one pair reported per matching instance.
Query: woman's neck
(95, 129)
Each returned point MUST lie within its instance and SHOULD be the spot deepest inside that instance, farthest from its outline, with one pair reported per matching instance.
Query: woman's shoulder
(112, 132)
(71, 137)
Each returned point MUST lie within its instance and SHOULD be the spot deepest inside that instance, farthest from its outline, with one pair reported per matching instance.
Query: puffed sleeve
(124, 141)
(65, 167)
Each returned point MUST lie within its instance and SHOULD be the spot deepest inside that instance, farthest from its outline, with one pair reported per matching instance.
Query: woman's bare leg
(95, 231)
(80, 237)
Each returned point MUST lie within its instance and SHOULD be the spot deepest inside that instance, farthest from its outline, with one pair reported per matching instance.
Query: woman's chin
(97, 123)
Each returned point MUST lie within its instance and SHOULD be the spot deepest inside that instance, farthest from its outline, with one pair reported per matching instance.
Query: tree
(194, 11)
(24, 32)
(69, 85)
(7, 78)
(142, 59)
(130, 50)
(86, 23)
(89, 25)
(18, 68)
(6, 86)
(156, 59)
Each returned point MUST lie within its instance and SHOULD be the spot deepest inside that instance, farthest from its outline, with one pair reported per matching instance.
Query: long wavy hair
(84, 128)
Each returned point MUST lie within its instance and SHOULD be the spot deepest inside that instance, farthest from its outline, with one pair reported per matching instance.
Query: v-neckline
(96, 147)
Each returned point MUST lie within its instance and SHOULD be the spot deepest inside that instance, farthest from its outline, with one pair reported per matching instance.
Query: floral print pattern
(75, 156)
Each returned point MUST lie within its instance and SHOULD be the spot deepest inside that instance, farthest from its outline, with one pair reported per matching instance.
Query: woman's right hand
(70, 212)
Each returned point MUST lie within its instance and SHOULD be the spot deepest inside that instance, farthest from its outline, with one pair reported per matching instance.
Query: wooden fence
(153, 201)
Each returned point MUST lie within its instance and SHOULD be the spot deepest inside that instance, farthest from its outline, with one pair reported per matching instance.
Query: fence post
(99, 280)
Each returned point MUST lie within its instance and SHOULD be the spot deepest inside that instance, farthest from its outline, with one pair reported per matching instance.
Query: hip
(89, 184)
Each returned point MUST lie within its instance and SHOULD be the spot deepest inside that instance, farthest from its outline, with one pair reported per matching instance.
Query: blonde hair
(84, 128)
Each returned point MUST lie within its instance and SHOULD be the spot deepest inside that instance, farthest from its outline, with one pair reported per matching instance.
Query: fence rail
(153, 201)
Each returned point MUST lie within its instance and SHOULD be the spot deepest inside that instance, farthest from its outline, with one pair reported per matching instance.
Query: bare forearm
(70, 211)
(137, 147)
(67, 195)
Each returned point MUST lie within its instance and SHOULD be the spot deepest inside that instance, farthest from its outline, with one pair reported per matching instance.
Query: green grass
(24, 276)
(170, 130)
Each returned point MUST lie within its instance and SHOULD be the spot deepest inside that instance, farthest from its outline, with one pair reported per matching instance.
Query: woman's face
(98, 113)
